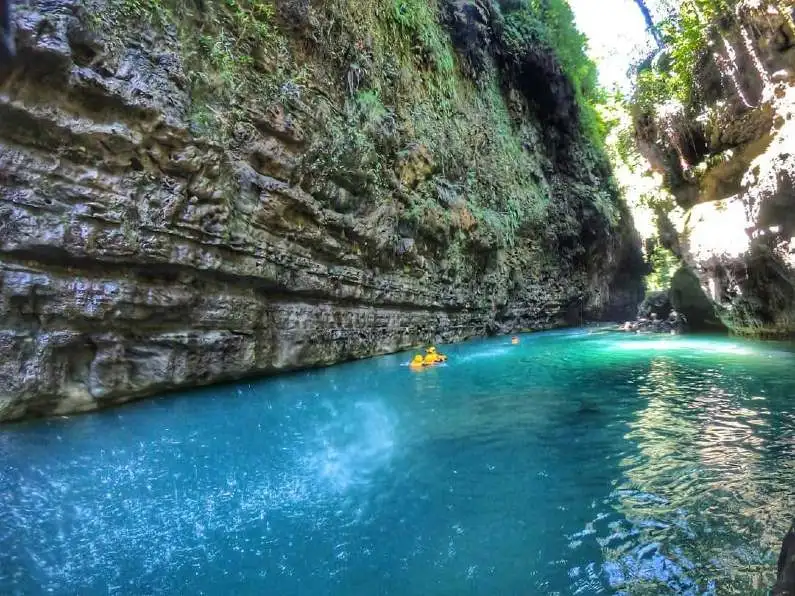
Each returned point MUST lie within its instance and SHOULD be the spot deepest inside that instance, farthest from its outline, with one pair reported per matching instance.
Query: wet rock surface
(727, 157)
(785, 586)
(674, 324)
(688, 298)
(138, 255)
(657, 315)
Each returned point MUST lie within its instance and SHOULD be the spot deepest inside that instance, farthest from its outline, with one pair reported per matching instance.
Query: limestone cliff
(196, 191)
(728, 157)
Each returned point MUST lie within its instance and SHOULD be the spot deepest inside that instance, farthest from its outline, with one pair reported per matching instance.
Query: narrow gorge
(199, 192)
(548, 246)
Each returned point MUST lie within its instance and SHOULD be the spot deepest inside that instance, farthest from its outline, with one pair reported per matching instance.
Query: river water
(578, 462)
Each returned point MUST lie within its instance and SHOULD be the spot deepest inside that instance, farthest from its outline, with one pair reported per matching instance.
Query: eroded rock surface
(138, 254)
(728, 158)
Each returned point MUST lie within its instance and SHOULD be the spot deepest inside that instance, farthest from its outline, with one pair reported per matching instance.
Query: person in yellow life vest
(515, 340)
(430, 359)
(418, 362)
(434, 356)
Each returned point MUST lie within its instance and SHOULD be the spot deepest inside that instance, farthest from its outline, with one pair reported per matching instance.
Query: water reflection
(576, 462)
(697, 492)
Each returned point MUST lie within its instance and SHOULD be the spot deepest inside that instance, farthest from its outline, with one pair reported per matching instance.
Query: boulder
(655, 303)
(688, 298)
(785, 584)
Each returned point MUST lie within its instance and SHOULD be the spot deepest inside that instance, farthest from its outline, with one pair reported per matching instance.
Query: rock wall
(785, 584)
(728, 158)
(178, 211)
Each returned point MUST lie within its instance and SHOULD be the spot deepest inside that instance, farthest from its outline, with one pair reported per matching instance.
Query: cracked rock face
(729, 160)
(137, 256)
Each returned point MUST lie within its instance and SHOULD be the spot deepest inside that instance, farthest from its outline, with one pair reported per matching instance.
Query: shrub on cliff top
(550, 24)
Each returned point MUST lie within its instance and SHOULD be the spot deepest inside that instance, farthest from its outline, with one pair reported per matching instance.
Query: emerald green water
(579, 462)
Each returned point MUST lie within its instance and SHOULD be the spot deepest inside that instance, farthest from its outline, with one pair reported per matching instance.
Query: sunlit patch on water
(684, 345)
(485, 354)
(577, 462)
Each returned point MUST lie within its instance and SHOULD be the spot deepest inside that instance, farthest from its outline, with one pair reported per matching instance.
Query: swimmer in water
(431, 358)
(417, 363)
(435, 356)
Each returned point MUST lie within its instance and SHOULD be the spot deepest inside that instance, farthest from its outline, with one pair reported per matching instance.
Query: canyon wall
(197, 191)
(727, 155)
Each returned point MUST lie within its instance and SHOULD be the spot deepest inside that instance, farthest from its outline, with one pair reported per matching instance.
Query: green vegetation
(685, 35)
(664, 264)
(418, 20)
(550, 24)
(648, 201)
(397, 47)
(378, 77)
(403, 74)
(231, 50)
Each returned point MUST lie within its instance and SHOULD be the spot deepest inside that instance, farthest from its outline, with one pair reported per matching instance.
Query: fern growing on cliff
(418, 19)
(551, 24)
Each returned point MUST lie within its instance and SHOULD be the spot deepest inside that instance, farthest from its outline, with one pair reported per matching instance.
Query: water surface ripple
(579, 462)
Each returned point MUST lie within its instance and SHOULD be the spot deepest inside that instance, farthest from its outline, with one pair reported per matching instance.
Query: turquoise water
(579, 462)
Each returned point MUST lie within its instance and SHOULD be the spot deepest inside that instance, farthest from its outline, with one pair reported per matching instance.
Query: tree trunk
(650, 26)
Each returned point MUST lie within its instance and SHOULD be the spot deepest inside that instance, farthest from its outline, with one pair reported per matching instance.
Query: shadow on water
(577, 462)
